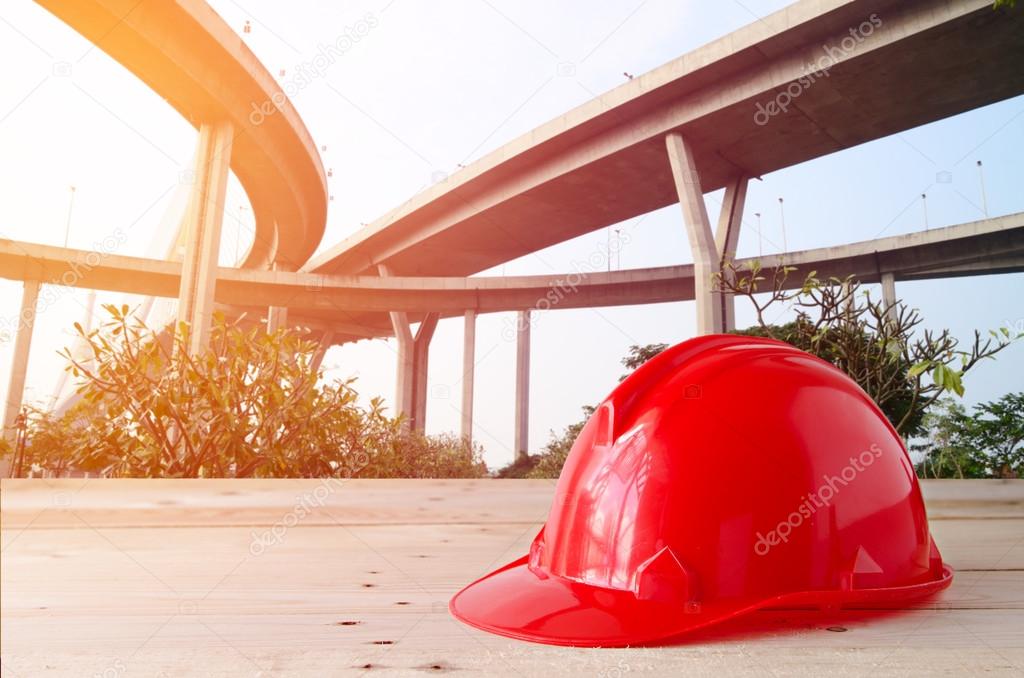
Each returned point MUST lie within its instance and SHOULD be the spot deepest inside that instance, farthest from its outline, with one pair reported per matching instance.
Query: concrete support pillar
(19, 364)
(846, 289)
(889, 294)
(727, 236)
(404, 372)
(277, 316)
(413, 359)
(404, 369)
(468, 365)
(202, 226)
(421, 359)
(522, 434)
(698, 230)
(321, 350)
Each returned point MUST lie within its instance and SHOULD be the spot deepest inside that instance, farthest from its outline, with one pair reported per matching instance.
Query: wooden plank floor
(307, 578)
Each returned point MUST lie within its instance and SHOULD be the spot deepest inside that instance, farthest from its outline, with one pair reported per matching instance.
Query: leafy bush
(415, 455)
(548, 463)
(879, 345)
(988, 443)
(551, 460)
(520, 468)
(249, 406)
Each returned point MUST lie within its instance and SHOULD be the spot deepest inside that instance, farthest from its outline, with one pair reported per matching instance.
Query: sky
(425, 88)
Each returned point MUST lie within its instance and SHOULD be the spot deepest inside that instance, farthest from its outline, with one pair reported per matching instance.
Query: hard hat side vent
(536, 559)
(662, 577)
(864, 571)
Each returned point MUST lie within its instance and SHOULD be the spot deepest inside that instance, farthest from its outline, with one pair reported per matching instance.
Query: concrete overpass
(319, 301)
(814, 78)
(344, 308)
(188, 55)
(604, 162)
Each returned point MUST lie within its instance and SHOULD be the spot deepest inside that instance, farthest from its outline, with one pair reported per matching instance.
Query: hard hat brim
(516, 602)
(513, 601)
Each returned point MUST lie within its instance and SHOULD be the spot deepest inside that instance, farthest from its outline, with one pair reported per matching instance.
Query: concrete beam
(19, 361)
(468, 367)
(984, 247)
(698, 231)
(202, 227)
(727, 237)
(522, 425)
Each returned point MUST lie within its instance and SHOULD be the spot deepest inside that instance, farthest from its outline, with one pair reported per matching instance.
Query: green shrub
(250, 406)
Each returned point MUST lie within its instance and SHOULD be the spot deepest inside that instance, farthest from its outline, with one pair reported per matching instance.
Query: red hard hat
(727, 474)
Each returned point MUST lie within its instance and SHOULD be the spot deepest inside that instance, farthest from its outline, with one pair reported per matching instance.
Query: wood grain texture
(299, 578)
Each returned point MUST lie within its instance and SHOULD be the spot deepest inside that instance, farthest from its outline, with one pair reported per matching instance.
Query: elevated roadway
(845, 72)
(186, 53)
(356, 307)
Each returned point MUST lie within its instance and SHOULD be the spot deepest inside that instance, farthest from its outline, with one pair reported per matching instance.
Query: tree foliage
(998, 430)
(638, 355)
(552, 458)
(252, 405)
(549, 462)
(988, 443)
(882, 347)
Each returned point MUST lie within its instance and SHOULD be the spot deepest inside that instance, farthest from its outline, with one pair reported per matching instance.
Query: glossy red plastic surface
(727, 474)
